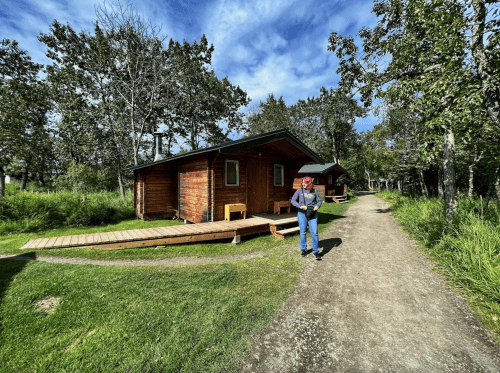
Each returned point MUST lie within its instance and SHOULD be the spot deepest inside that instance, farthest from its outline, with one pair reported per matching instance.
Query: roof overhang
(333, 167)
(244, 144)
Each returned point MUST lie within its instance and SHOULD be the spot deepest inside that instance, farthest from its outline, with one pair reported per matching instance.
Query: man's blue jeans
(313, 228)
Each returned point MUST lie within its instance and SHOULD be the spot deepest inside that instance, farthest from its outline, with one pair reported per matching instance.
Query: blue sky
(264, 46)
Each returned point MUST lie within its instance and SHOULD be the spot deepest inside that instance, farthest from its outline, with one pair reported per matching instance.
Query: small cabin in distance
(324, 178)
(196, 186)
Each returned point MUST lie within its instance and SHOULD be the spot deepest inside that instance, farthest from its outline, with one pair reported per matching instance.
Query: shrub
(83, 179)
(32, 212)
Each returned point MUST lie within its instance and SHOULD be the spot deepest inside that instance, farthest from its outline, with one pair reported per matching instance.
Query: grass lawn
(85, 318)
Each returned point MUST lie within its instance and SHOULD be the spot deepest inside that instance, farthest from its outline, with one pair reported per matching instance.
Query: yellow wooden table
(233, 207)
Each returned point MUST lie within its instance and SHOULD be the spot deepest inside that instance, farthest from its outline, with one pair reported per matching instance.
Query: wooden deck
(170, 235)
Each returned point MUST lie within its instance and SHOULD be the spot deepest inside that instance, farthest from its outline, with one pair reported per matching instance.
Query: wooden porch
(171, 235)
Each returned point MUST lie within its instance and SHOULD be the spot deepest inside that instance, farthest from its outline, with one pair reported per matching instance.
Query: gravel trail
(373, 304)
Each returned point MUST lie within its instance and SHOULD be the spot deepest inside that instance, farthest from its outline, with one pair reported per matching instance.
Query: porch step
(282, 233)
(336, 199)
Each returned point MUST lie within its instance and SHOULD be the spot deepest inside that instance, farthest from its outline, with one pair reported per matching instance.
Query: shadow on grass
(329, 244)
(9, 268)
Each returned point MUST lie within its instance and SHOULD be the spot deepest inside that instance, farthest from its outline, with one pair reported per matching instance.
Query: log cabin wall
(194, 184)
(160, 191)
(285, 192)
(223, 194)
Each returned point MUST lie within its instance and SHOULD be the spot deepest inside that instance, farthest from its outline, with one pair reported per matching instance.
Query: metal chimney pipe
(158, 152)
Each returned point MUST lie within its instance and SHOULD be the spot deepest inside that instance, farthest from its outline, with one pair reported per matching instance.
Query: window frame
(237, 172)
(282, 175)
(330, 179)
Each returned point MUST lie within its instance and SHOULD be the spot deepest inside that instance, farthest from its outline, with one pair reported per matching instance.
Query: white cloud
(268, 42)
(251, 40)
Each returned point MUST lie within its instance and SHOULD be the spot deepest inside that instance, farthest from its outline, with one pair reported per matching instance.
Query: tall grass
(468, 251)
(35, 210)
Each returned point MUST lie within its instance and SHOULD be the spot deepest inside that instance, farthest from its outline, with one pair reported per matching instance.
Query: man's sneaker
(303, 253)
(317, 256)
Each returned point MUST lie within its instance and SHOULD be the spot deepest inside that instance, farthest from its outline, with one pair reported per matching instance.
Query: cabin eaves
(243, 144)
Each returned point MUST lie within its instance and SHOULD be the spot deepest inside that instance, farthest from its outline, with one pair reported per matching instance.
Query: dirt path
(373, 304)
(141, 262)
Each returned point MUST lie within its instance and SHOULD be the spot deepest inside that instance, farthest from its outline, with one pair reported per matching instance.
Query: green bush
(83, 179)
(24, 212)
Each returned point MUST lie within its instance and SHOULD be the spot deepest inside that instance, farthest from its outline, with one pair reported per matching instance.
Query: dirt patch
(48, 305)
(373, 304)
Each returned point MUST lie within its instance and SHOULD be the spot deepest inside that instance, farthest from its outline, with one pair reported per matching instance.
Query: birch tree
(429, 48)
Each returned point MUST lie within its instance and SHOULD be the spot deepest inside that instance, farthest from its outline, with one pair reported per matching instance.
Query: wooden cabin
(324, 178)
(196, 186)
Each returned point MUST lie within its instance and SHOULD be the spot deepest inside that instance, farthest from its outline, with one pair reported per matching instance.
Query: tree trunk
(399, 186)
(24, 179)
(120, 179)
(476, 159)
(449, 175)
(423, 186)
(471, 180)
(440, 182)
(2, 182)
(496, 184)
(41, 180)
(366, 171)
(489, 80)
(489, 194)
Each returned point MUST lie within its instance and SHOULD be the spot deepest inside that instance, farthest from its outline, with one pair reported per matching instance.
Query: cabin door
(256, 186)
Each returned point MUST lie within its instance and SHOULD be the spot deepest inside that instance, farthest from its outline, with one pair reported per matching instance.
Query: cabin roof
(277, 136)
(322, 168)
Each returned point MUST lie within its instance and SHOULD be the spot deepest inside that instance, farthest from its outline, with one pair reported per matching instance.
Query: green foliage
(23, 212)
(81, 178)
(427, 61)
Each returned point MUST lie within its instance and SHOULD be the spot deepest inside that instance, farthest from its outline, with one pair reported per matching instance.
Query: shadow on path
(383, 211)
(328, 218)
(329, 244)
(365, 192)
(9, 268)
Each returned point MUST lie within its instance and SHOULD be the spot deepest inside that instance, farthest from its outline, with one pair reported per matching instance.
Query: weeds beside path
(373, 303)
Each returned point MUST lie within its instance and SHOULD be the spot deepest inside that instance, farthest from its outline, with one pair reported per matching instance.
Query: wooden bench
(279, 204)
(234, 207)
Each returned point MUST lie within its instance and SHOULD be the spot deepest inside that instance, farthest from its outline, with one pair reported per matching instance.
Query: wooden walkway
(175, 234)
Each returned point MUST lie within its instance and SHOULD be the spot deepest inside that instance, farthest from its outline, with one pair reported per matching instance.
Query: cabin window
(330, 179)
(232, 173)
(279, 175)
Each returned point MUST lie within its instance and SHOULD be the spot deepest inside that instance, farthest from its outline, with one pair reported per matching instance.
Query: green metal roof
(320, 168)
